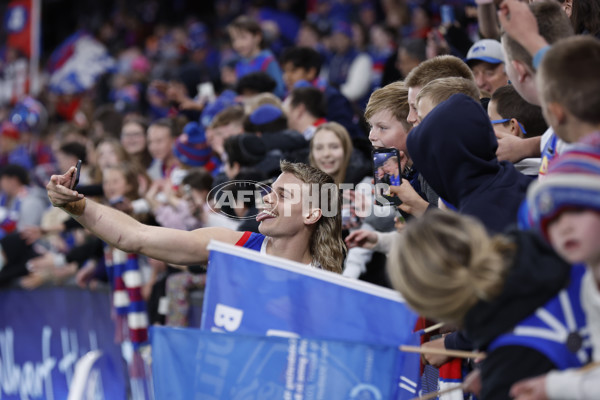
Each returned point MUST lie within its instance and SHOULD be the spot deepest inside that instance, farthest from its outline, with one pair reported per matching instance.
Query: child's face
(424, 107)
(327, 151)
(494, 116)
(293, 74)
(114, 184)
(575, 235)
(387, 131)
(244, 43)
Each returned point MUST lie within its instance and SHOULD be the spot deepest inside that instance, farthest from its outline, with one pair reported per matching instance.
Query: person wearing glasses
(511, 114)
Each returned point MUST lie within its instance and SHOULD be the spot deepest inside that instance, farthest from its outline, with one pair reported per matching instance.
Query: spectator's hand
(41, 263)
(436, 44)
(412, 203)
(509, 148)
(34, 280)
(436, 360)
(176, 92)
(530, 389)
(520, 24)
(399, 223)
(59, 191)
(84, 276)
(191, 104)
(472, 383)
(31, 234)
(361, 238)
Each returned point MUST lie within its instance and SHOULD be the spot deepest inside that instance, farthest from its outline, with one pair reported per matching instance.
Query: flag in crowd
(294, 330)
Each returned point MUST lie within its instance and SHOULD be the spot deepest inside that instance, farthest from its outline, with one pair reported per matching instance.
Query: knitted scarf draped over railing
(126, 281)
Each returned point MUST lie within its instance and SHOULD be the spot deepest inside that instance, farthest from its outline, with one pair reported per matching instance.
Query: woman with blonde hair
(330, 150)
(507, 293)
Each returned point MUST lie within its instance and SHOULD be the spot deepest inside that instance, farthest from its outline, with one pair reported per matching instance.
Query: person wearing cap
(270, 123)
(486, 60)
(511, 294)
(565, 208)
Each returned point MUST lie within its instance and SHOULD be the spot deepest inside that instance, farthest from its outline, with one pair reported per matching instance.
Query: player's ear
(313, 216)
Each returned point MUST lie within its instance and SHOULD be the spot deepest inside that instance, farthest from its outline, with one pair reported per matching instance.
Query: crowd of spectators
(195, 104)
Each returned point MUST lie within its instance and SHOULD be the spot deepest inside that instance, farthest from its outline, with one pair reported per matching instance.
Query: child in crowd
(564, 206)
(493, 289)
(247, 40)
(553, 25)
(228, 122)
(459, 162)
(511, 114)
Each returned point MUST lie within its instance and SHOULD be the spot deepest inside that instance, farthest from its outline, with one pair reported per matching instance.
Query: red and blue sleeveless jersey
(251, 240)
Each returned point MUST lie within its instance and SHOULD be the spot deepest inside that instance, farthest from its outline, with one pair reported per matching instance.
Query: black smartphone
(386, 173)
(77, 172)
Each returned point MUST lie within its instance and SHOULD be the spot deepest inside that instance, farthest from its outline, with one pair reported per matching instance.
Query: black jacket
(454, 149)
(537, 274)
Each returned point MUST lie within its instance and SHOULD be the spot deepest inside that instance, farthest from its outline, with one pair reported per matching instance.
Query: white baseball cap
(488, 50)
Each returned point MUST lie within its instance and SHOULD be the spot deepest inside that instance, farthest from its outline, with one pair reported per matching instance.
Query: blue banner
(43, 333)
(253, 294)
(192, 364)
(250, 293)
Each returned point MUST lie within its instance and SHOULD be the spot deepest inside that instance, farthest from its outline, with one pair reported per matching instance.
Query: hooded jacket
(454, 149)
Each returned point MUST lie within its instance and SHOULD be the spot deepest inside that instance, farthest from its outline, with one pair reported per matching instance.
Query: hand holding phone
(386, 171)
(75, 178)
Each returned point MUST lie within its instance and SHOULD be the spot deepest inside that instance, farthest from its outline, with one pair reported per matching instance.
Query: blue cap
(488, 50)
(265, 114)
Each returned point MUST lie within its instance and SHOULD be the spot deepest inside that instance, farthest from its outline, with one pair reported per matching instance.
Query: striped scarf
(126, 281)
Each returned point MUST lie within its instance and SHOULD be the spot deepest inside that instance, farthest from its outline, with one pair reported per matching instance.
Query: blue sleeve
(274, 72)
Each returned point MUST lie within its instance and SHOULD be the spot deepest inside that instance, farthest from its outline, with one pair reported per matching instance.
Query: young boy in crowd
(248, 41)
(553, 25)
(301, 67)
(565, 206)
(460, 160)
(511, 114)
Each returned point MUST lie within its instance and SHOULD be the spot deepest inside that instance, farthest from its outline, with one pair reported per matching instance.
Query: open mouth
(571, 245)
(266, 214)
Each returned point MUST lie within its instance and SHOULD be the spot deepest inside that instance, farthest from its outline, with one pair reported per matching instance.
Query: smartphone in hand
(447, 14)
(77, 172)
(386, 173)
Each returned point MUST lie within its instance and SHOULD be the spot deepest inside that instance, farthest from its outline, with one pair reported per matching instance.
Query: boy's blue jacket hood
(454, 148)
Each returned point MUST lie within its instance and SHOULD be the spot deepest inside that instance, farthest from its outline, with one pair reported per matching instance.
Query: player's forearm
(114, 227)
